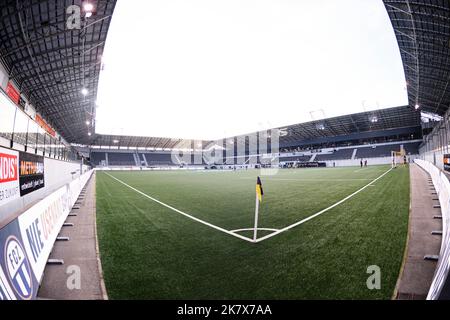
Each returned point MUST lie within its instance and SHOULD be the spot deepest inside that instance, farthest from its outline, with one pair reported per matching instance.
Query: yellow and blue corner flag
(259, 189)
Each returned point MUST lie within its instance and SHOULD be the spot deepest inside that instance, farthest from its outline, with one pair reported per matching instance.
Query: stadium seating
(386, 151)
(342, 154)
(412, 148)
(97, 158)
(164, 159)
(121, 159)
(295, 158)
(379, 151)
(154, 159)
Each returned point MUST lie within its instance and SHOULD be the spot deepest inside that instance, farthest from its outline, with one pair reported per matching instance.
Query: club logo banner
(9, 175)
(31, 173)
(18, 268)
(17, 280)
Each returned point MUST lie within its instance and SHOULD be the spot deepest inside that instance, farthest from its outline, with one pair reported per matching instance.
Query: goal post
(397, 158)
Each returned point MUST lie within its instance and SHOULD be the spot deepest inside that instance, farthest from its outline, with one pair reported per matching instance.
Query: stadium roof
(378, 120)
(422, 29)
(139, 142)
(51, 63)
(371, 121)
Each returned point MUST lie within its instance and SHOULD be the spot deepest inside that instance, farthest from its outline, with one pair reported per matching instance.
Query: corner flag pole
(259, 195)
(255, 230)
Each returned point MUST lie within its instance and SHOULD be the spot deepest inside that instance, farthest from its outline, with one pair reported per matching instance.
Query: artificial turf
(151, 252)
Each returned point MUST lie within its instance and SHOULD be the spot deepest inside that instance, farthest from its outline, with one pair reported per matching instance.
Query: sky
(209, 69)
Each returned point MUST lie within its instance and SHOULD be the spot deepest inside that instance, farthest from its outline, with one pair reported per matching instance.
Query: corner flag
(259, 189)
(259, 195)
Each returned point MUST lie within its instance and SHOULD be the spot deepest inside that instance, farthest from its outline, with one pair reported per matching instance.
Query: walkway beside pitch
(80, 253)
(417, 273)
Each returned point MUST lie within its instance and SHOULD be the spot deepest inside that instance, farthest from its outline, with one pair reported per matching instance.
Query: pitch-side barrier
(440, 286)
(27, 241)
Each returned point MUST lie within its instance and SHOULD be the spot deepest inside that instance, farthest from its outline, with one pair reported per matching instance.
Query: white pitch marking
(251, 229)
(278, 231)
(181, 212)
(322, 211)
(309, 179)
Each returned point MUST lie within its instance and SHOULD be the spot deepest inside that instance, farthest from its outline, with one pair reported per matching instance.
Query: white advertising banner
(9, 175)
(41, 224)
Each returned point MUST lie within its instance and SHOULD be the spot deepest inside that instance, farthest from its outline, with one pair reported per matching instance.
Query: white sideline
(308, 179)
(322, 211)
(233, 232)
(181, 212)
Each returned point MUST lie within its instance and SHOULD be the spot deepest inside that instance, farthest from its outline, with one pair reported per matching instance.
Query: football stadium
(224, 150)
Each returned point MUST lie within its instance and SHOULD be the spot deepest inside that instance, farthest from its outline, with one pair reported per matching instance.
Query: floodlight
(88, 7)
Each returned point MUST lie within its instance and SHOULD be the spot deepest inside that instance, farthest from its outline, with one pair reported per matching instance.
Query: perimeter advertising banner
(40, 225)
(13, 93)
(31, 173)
(26, 242)
(9, 175)
(45, 126)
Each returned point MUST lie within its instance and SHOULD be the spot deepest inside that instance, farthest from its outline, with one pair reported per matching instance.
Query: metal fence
(436, 144)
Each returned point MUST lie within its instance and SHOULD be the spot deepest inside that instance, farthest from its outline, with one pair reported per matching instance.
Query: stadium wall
(440, 286)
(27, 241)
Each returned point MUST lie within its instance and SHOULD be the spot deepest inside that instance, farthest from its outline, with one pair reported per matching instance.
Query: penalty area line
(320, 212)
(181, 212)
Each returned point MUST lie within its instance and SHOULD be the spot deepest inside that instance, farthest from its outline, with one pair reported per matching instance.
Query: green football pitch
(171, 234)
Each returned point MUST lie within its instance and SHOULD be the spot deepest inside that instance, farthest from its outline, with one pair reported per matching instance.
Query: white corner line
(320, 212)
(233, 232)
(181, 212)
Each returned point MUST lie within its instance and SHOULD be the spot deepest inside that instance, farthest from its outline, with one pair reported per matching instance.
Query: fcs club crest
(18, 268)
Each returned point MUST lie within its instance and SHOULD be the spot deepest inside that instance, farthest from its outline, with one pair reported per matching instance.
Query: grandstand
(148, 217)
(348, 137)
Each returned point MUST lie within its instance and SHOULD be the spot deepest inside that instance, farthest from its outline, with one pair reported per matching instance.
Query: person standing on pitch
(361, 163)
